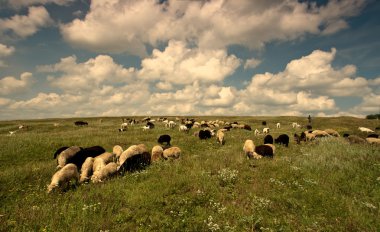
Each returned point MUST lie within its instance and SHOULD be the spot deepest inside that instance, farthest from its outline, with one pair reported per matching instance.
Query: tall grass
(328, 185)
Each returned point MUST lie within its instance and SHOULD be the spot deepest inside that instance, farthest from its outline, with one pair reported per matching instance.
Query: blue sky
(79, 58)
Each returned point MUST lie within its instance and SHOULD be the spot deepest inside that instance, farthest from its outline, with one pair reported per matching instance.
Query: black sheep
(164, 139)
(81, 123)
(268, 139)
(264, 123)
(247, 127)
(309, 127)
(228, 128)
(136, 163)
(79, 158)
(151, 125)
(297, 138)
(264, 150)
(204, 134)
(373, 136)
(282, 139)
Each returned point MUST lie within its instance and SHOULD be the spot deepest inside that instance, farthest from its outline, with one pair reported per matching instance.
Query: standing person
(309, 119)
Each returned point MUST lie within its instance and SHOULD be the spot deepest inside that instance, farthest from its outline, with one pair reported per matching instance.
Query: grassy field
(324, 186)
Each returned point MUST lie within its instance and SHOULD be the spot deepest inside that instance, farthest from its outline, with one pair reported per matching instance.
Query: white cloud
(252, 63)
(26, 25)
(126, 26)
(178, 64)
(87, 75)
(5, 50)
(10, 85)
(369, 105)
(23, 3)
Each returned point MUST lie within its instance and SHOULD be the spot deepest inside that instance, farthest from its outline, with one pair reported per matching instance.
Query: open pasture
(328, 185)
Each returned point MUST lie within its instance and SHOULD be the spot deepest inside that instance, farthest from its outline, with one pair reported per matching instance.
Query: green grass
(328, 185)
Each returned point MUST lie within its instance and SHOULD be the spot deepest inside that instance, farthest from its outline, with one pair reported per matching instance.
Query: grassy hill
(327, 185)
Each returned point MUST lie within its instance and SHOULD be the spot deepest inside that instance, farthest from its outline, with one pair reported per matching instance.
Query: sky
(82, 58)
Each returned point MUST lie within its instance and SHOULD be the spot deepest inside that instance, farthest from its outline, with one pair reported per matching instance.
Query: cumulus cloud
(208, 24)
(369, 105)
(252, 63)
(25, 25)
(22, 3)
(95, 72)
(178, 64)
(10, 85)
(5, 50)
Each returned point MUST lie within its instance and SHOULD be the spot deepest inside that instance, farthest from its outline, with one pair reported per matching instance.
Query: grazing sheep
(135, 158)
(164, 139)
(12, 132)
(320, 133)
(58, 151)
(86, 170)
(79, 158)
(81, 123)
(266, 130)
(67, 154)
(204, 134)
(123, 127)
(367, 130)
(264, 123)
(297, 138)
(173, 152)
(264, 150)
(157, 153)
(372, 140)
(332, 132)
(63, 176)
(373, 136)
(247, 127)
(107, 157)
(282, 139)
(98, 164)
(353, 139)
(172, 124)
(307, 136)
(309, 127)
(296, 125)
(257, 132)
(106, 172)
(150, 124)
(117, 150)
(278, 125)
(183, 128)
(220, 137)
(268, 139)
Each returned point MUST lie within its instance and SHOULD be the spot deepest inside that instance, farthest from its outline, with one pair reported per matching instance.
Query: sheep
(278, 125)
(307, 136)
(183, 128)
(12, 132)
(364, 129)
(373, 140)
(136, 157)
(173, 152)
(204, 134)
(98, 164)
(373, 136)
(296, 125)
(353, 139)
(332, 132)
(107, 157)
(117, 150)
(297, 138)
(65, 155)
(266, 130)
(104, 173)
(268, 139)
(249, 149)
(220, 137)
(171, 124)
(257, 132)
(62, 177)
(264, 150)
(123, 127)
(164, 139)
(247, 127)
(150, 124)
(282, 139)
(81, 123)
(145, 128)
(320, 133)
(157, 153)
(79, 158)
(309, 127)
(264, 123)
(86, 170)
(58, 151)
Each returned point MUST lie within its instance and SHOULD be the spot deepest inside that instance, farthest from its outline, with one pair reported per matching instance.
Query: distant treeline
(373, 116)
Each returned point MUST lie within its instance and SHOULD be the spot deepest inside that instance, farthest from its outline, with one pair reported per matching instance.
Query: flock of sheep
(95, 164)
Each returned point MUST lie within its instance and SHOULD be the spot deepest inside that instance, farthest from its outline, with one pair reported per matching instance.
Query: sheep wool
(173, 152)
(332, 132)
(249, 148)
(107, 157)
(62, 177)
(117, 150)
(132, 151)
(220, 137)
(98, 164)
(157, 153)
(320, 133)
(65, 155)
(373, 140)
(86, 170)
(106, 172)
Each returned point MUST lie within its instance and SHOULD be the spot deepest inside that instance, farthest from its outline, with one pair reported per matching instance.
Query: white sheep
(257, 132)
(296, 125)
(172, 152)
(266, 130)
(278, 125)
(157, 153)
(107, 157)
(98, 164)
(249, 149)
(145, 128)
(106, 172)
(86, 170)
(364, 129)
(373, 140)
(123, 126)
(172, 124)
(63, 176)
(220, 136)
(117, 150)
(183, 128)
(66, 155)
